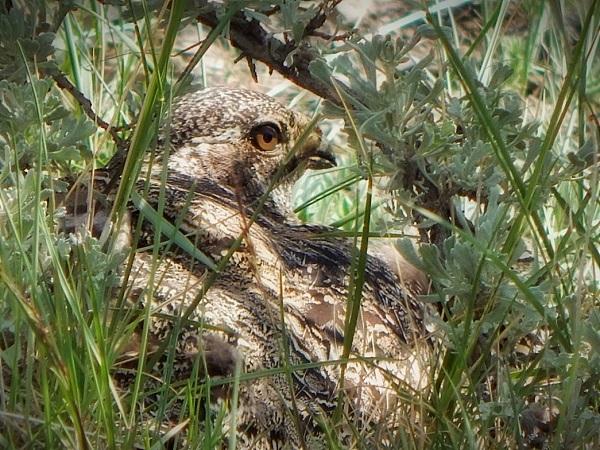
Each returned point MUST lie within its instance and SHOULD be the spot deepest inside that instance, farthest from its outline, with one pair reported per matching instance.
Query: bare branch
(86, 105)
(255, 42)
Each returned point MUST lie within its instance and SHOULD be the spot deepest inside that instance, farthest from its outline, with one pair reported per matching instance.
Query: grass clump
(479, 139)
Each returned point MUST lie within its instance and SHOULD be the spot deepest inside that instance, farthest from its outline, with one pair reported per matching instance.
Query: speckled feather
(215, 175)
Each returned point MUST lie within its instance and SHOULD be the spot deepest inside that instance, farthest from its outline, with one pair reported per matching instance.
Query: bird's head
(244, 140)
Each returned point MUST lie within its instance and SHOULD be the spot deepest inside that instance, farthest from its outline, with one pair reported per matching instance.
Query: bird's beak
(315, 154)
(312, 155)
(320, 159)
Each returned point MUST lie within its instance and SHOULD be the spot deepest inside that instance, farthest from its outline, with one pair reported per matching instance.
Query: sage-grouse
(224, 170)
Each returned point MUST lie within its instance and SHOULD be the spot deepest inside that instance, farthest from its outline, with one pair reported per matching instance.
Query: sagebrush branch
(248, 36)
(256, 43)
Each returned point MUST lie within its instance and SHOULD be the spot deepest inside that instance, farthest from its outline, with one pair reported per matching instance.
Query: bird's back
(279, 306)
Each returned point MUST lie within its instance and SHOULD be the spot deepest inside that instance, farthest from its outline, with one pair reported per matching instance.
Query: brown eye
(266, 137)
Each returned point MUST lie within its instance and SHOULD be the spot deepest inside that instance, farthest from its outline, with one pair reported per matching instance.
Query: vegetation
(473, 150)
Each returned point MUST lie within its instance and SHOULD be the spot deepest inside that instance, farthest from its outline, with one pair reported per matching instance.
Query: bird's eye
(266, 137)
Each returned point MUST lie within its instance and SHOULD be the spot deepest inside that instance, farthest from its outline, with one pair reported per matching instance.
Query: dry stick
(86, 105)
(116, 163)
(255, 42)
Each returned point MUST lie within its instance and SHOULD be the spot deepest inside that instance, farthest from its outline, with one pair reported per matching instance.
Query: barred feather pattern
(282, 298)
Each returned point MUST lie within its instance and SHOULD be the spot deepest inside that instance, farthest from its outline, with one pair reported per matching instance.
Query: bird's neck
(280, 201)
(276, 200)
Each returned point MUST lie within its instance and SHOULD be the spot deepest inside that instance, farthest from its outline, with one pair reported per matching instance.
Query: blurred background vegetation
(476, 123)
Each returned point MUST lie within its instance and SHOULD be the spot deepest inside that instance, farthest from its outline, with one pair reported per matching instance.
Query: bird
(276, 307)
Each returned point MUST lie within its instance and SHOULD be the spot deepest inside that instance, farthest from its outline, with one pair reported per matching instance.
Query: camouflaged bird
(224, 170)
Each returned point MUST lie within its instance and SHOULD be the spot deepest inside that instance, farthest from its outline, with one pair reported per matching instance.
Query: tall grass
(516, 339)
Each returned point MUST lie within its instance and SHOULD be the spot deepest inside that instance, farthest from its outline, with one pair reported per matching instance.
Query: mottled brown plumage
(282, 296)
